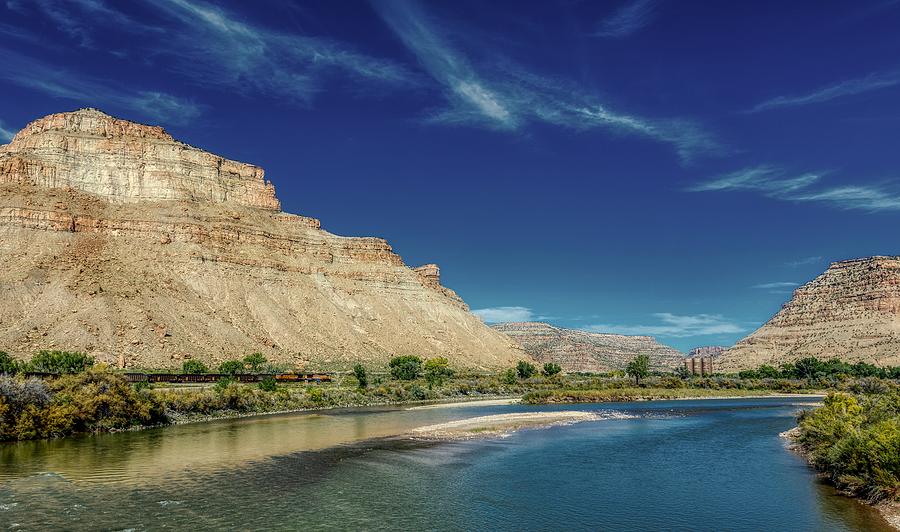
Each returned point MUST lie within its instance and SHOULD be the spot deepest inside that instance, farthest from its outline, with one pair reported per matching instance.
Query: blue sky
(638, 166)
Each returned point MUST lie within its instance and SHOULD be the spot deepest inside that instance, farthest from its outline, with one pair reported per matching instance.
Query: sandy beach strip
(499, 424)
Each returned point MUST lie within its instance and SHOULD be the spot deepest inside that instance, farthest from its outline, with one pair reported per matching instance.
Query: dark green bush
(551, 369)
(194, 367)
(254, 361)
(231, 367)
(362, 378)
(8, 365)
(405, 367)
(268, 384)
(525, 370)
(60, 362)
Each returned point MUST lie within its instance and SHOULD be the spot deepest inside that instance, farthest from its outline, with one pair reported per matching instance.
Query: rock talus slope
(119, 241)
(576, 350)
(852, 312)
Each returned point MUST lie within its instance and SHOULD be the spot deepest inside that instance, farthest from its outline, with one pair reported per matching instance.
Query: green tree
(861, 369)
(768, 372)
(254, 361)
(437, 370)
(551, 369)
(61, 362)
(193, 367)
(638, 368)
(510, 377)
(231, 367)
(525, 369)
(406, 367)
(362, 378)
(808, 368)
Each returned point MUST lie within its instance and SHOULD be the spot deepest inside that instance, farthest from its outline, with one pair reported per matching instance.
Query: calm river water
(672, 465)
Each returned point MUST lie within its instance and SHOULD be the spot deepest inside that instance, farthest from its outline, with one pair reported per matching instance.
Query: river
(665, 465)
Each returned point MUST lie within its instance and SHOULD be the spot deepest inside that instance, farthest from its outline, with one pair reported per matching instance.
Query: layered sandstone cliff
(576, 350)
(852, 312)
(117, 240)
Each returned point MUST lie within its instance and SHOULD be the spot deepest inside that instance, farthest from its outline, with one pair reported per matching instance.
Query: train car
(183, 378)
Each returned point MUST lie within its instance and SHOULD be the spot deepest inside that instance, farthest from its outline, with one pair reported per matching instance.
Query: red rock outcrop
(111, 232)
(852, 312)
(576, 350)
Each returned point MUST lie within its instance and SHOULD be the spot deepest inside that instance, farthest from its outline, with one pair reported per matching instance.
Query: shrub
(231, 367)
(316, 395)
(768, 372)
(194, 367)
(362, 378)
(525, 369)
(551, 369)
(254, 361)
(60, 362)
(93, 400)
(224, 383)
(8, 365)
(417, 392)
(437, 370)
(268, 384)
(406, 367)
(856, 441)
(510, 377)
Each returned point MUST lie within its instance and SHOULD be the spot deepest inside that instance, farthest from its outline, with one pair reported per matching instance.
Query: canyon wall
(121, 242)
(576, 350)
(851, 312)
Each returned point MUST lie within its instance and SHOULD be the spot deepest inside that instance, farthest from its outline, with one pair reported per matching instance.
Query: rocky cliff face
(117, 240)
(713, 351)
(122, 161)
(576, 350)
(852, 312)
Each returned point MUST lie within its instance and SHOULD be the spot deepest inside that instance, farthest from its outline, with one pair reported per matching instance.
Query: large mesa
(851, 312)
(143, 251)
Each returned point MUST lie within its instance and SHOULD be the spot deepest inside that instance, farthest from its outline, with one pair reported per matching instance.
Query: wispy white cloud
(504, 96)
(504, 314)
(805, 261)
(59, 83)
(6, 135)
(675, 326)
(776, 183)
(776, 285)
(216, 47)
(627, 19)
(850, 87)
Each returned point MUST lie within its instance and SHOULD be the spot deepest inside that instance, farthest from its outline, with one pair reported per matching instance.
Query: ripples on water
(685, 465)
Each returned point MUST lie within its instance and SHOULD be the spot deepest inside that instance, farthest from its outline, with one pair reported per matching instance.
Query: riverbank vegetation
(84, 397)
(854, 438)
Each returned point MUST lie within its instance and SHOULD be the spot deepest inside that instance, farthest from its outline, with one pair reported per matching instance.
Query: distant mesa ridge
(120, 241)
(576, 350)
(713, 351)
(852, 312)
